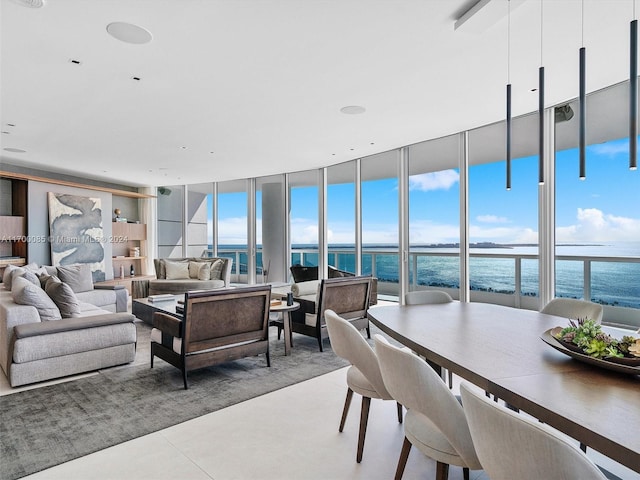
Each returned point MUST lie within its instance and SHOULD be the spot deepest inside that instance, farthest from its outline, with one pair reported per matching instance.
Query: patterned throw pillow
(26, 293)
(216, 269)
(197, 270)
(177, 270)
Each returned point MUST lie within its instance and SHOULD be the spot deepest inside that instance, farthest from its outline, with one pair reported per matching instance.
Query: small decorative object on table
(132, 272)
(585, 340)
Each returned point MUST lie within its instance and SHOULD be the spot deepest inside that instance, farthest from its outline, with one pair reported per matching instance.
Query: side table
(286, 318)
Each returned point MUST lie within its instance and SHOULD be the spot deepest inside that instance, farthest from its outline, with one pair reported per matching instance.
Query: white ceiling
(255, 87)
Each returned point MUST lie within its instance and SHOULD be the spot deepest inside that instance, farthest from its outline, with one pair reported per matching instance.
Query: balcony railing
(508, 279)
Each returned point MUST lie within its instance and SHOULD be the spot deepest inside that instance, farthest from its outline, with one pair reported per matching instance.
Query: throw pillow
(26, 293)
(216, 269)
(29, 275)
(7, 277)
(44, 278)
(78, 277)
(63, 296)
(196, 267)
(177, 270)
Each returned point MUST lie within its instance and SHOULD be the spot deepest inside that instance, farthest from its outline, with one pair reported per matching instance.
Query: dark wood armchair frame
(347, 296)
(218, 326)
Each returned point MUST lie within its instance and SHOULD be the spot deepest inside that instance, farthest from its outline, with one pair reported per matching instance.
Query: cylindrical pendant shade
(583, 114)
(509, 136)
(541, 125)
(633, 96)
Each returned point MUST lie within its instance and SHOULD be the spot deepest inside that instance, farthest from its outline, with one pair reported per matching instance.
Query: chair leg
(450, 379)
(279, 331)
(402, 461)
(465, 473)
(583, 447)
(364, 416)
(345, 410)
(151, 360)
(368, 332)
(184, 377)
(442, 471)
(320, 343)
(399, 412)
(268, 359)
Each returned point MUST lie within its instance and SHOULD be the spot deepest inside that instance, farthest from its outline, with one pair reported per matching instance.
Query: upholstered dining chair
(423, 297)
(363, 377)
(435, 422)
(574, 309)
(510, 445)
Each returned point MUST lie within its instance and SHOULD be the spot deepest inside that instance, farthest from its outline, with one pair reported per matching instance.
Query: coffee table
(144, 309)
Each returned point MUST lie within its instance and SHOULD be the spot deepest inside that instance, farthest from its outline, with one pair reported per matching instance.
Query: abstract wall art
(76, 232)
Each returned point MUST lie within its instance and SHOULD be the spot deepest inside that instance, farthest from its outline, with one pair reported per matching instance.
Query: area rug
(50, 425)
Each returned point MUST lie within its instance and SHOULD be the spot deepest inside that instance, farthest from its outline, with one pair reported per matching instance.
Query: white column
(251, 231)
(358, 203)
(547, 214)
(465, 293)
(274, 244)
(403, 222)
(214, 221)
(323, 249)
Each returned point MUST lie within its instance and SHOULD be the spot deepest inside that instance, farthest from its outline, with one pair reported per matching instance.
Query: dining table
(500, 350)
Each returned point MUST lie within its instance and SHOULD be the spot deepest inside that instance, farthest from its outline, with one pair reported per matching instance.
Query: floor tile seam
(163, 434)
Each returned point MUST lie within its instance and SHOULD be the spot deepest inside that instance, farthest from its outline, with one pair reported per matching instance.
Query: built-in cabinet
(13, 230)
(125, 239)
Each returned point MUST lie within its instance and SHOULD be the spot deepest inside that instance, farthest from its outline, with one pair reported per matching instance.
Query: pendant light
(508, 95)
(633, 92)
(582, 121)
(541, 108)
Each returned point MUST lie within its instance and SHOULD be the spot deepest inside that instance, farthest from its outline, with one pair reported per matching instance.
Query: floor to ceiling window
(303, 217)
(232, 225)
(434, 215)
(170, 221)
(503, 224)
(199, 226)
(597, 219)
(341, 221)
(380, 220)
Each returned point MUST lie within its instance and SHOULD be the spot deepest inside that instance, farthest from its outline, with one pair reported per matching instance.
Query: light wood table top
(499, 349)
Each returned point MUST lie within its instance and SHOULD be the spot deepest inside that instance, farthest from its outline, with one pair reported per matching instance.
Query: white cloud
(491, 219)
(594, 225)
(610, 149)
(442, 180)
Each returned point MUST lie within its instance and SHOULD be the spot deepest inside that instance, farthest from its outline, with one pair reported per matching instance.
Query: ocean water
(612, 283)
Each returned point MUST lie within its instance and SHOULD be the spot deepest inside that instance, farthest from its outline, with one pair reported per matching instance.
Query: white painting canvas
(76, 233)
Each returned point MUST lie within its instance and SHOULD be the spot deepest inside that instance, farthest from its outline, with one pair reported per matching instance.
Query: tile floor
(288, 434)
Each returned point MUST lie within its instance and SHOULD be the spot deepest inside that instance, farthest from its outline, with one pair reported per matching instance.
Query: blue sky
(602, 208)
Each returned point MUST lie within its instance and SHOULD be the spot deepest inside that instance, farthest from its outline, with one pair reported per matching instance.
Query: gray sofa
(182, 274)
(35, 346)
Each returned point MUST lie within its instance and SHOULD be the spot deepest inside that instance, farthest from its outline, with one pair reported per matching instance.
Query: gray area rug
(50, 425)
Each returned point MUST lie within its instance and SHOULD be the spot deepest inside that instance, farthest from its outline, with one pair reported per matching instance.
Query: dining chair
(424, 297)
(510, 445)
(573, 308)
(363, 377)
(435, 422)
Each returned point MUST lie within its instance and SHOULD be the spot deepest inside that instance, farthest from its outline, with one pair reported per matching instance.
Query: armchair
(218, 326)
(346, 296)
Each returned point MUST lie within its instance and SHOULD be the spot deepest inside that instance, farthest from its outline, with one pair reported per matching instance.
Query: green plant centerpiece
(587, 336)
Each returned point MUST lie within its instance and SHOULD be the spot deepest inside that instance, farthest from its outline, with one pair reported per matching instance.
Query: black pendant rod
(541, 125)
(583, 113)
(633, 97)
(509, 136)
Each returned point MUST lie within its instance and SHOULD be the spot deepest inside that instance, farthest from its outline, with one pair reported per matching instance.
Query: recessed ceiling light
(75, 62)
(184, 147)
(129, 33)
(15, 150)
(137, 79)
(30, 3)
(353, 109)
(6, 133)
(11, 124)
